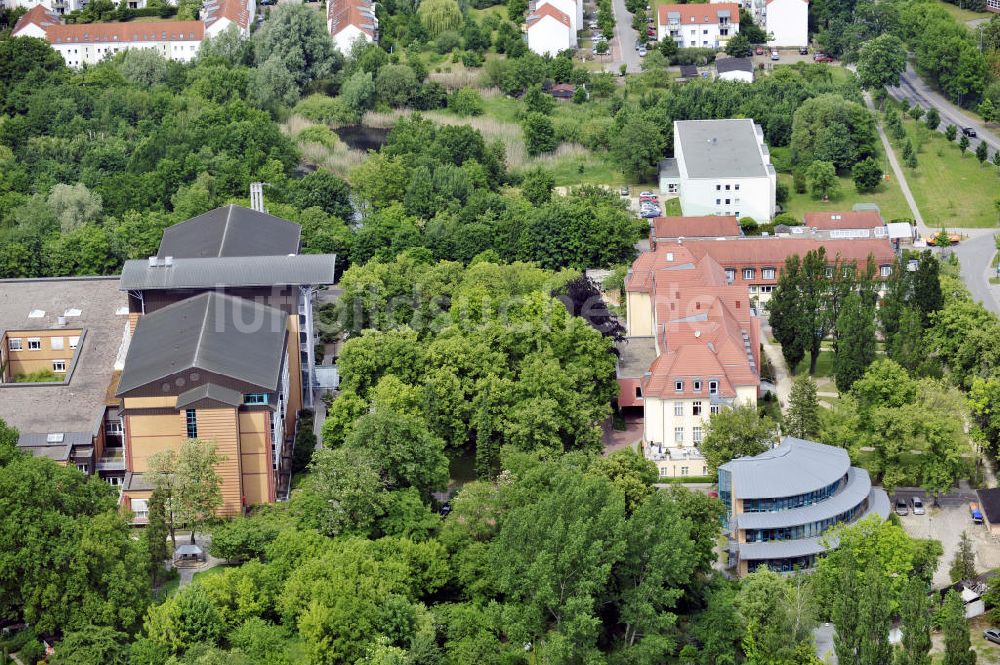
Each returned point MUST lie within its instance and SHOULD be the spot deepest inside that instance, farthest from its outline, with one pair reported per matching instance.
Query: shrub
(330, 111)
(318, 134)
(466, 102)
(472, 59)
(447, 41)
(867, 175)
(787, 219)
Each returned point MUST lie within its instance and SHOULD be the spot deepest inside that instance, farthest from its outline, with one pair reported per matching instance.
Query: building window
(718, 202)
(679, 386)
(766, 289)
(713, 387)
(59, 366)
(255, 398)
(728, 201)
(678, 435)
(697, 435)
(748, 273)
(113, 427)
(74, 342)
(678, 409)
(768, 273)
(829, 273)
(34, 344)
(192, 424)
(672, 188)
(718, 188)
(114, 481)
(684, 470)
(885, 271)
(714, 409)
(638, 392)
(14, 344)
(696, 408)
(82, 468)
(730, 274)
(141, 509)
(56, 343)
(663, 472)
(697, 385)
(727, 188)
(736, 187)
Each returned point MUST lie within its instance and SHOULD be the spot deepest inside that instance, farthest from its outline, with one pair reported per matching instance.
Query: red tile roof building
(218, 15)
(35, 22)
(698, 25)
(350, 20)
(708, 226)
(839, 221)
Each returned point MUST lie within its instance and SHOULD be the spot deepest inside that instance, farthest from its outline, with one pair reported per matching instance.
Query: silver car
(917, 506)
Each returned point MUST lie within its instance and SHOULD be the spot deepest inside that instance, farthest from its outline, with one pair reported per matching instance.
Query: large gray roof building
(780, 504)
(721, 148)
(231, 230)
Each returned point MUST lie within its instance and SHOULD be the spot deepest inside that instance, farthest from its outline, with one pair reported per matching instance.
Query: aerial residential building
(860, 223)
(735, 69)
(720, 167)
(35, 22)
(347, 21)
(779, 504)
(62, 340)
(550, 30)
(693, 348)
(572, 8)
(218, 15)
(57, 7)
(665, 229)
(698, 25)
(787, 21)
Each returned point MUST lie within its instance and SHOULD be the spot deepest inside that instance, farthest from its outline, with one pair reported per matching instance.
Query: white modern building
(786, 21)
(698, 26)
(89, 43)
(347, 21)
(550, 30)
(720, 167)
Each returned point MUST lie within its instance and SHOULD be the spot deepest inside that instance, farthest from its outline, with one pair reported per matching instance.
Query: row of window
(736, 187)
(35, 343)
(749, 273)
(790, 502)
(784, 565)
(696, 408)
(685, 471)
(713, 386)
(800, 531)
(696, 434)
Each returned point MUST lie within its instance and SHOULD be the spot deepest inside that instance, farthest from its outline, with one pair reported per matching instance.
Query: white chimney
(152, 262)
(61, 321)
(697, 333)
(168, 261)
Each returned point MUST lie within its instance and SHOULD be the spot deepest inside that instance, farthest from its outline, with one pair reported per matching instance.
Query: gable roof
(698, 14)
(689, 71)
(724, 65)
(721, 148)
(343, 13)
(230, 271)
(239, 12)
(133, 31)
(208, 395)
(231, 230)
(857, 219)
(211, 332)
(38, 15)
(550, 11)
(773, 251)
(708, 226)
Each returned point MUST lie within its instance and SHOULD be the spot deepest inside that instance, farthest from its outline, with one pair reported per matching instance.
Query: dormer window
(730, 274)
(713, 387)
(679, 385)
(697, 385)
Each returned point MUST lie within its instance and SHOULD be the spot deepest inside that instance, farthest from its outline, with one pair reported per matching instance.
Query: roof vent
(168, 261)
(680, 241)
(54, 437)
(153, 262)
(697, 333)
(670, 256)
(36, 314)
(72, 312)
(61, 321)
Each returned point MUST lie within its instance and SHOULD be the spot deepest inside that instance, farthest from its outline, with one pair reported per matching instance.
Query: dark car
(992, 635)
(969, 131)
(803, 51)
(822, 57)
(901, 508)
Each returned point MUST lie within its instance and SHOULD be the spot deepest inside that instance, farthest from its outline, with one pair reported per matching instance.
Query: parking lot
(946, 523)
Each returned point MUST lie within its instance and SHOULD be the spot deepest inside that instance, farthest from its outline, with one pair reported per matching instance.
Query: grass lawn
(217, 570)
(672, 208)
(480, 14)
(889, 199)
(168, 589)
(952, 190)
(581, 167)
(824, 365)
(963, 15)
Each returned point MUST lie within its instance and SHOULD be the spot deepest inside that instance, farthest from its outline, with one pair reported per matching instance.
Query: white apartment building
(89, 43)
(550, 30)
(572, 8)
(218, 15)
(698, 26)
(347, 21)
(720, 167)
(787, 21)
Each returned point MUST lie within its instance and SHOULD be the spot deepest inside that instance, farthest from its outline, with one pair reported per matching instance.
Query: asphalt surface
(623, 43)
(975, 256)
(913, 89)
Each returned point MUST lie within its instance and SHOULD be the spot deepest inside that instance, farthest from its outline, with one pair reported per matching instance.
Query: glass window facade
(789, 502)
(784, 565)
(812, 530)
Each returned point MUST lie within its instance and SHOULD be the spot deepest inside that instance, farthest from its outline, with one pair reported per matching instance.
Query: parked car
(969, 131)
(775, 55)
(992, 635)
(759, 50)
(642, 52)
(445, 508)
(975, 513)
(623, 190)
(901, 509)
(645, 193)
(917, 506)
(803, 51)
(822, 57)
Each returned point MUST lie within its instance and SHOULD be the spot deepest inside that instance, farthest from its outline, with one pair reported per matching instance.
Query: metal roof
(669, 168)
(721, 148)
(793, 467)
(724, 65)
(858, 487)
(231, 230)
(635, 356)
(233, 337)
(208, 392)
(206, 273)
(136, 482)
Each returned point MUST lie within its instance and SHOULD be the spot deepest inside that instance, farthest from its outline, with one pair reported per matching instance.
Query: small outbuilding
(734, 69)
(189, 553)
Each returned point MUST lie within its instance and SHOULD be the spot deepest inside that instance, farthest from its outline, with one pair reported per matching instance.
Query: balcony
(111, 460)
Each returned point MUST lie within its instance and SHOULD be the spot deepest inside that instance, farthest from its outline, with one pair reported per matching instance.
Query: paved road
(623, 44)
(976, 256)
(912, 88)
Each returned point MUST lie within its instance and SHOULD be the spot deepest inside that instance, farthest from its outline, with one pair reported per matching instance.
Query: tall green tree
(156, 533)
(855, 347)
(802, 419)
(957, 644)
(92, 645)
(198, 484)
(786, 315)
(963, 565)
(736, 432)
(915, 618)
(297, 37)
(881, 61)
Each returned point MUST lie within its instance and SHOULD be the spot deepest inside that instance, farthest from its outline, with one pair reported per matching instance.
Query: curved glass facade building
(781, 502)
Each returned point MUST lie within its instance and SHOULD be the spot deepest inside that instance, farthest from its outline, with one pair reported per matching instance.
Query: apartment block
(698, 25)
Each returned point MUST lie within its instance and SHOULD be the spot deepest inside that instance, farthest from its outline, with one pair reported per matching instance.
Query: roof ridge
(225, 230)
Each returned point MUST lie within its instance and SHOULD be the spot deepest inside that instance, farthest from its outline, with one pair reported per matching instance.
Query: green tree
(273, 86)
(242, 539)
(855, 347)
(823, 182)
(881, 61)
(539, 134)
(957, 644)
(73, 205)
(982, 152)
(537, 186)
(197, 486)
(163, 478)
(963, 144)
(933, 118)
(358, 92)
(739, 46)
(867, 175)
(345, 493)
(156, 533)
(802, 419)
(637, 146)
(911, 161)
(395, 85)
(466, 102)
(438, 16)
(185, 619)
(829, 128)
(736, 432)
(631, 472)
(92, 645)
(950, 132)
(963, 565)
(297, 36)
(537, 100)
(916, 626)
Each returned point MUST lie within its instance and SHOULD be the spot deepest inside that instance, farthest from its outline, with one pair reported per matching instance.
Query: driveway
(975, 256)
(912, 88)
(623, 44)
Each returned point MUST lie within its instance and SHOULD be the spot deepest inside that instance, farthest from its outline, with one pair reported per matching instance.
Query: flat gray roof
(231, 230)
(794, 467)
(208, 273)
(77, 407)
(234, 337)
(669, 168)
(635, 356)
(721, 148)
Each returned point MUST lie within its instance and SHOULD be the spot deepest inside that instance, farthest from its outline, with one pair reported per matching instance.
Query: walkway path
(187, 574)
(782, 377)
(900, 178)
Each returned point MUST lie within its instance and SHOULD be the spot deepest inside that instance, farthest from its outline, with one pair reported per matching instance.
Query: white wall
(738, 75)
(345, 39)
(218, 27)
(71, 5)
(659, 421)
(547, 36)
(79, 54)
(706, 35)
(753, 198)
(788, 21)
(30, 30)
